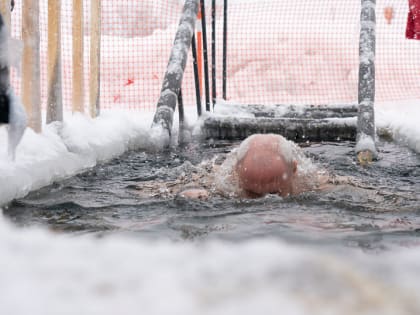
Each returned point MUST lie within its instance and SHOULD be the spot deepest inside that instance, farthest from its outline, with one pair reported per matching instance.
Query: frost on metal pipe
(365, 147)
(173, 77)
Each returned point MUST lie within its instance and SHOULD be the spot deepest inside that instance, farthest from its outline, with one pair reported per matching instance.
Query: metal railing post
(365, 147)
(196, 75)
(225, 21)
(213, 52)
(205, 53)
(174, 73)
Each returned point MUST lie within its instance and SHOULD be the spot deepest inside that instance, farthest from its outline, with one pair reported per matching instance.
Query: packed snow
(63, 150)
(44, 273)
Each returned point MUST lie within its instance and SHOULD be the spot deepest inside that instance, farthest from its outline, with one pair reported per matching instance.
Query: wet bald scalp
(265, 165)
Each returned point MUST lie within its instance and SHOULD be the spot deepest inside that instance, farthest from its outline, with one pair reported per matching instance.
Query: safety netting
(278, 51)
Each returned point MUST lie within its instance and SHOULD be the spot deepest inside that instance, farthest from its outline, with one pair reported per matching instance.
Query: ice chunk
(17, 123)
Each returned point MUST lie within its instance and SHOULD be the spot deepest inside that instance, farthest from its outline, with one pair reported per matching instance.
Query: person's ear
(294, 166)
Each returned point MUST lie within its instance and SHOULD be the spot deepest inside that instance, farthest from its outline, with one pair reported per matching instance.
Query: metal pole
(225, 21)
(206, 59)
(365, 146)
(199, 47)
(172, 81)
(181, 110)
(196, 75)
(213, 52)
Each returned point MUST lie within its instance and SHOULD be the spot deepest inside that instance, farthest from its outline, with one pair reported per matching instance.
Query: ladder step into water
(296, 123)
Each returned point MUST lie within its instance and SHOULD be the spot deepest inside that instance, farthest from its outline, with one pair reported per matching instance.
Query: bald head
(265, 165)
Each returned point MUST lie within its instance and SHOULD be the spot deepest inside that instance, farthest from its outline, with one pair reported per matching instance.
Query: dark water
(383, 215)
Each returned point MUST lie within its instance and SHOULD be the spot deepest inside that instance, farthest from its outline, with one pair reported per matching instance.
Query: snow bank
(400, 119)
(57, 274)
(63, 150)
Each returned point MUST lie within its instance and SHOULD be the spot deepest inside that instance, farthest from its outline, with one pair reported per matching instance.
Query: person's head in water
(266, 165)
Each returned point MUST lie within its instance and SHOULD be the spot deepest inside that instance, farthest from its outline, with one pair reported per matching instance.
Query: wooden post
(5, 8)
(78, 47)
(55, 96)
(31, 92)
(95, 58)
(365, 147)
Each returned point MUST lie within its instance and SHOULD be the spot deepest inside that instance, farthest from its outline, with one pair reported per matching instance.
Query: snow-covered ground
(43, 273)
(63, 150)
(46, 274)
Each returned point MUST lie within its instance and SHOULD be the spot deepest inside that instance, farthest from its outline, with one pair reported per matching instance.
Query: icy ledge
(63, 150)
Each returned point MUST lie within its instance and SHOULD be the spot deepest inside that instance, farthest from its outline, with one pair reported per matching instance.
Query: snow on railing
(175, 71)
(365, 146)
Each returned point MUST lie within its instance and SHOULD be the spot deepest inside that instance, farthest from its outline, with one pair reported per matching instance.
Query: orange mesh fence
(278, 51)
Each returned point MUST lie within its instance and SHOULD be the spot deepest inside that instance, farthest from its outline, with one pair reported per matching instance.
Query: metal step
(296, 123)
